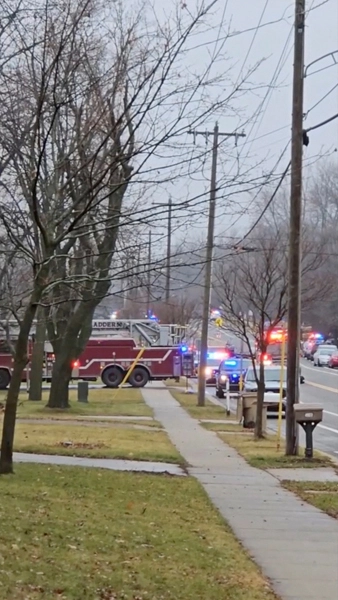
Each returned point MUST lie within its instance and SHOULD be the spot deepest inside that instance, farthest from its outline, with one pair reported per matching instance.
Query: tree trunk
(59, 390)
(35, 385)
(71, 347)
(20, 361)
(260, 402)
(8, 428)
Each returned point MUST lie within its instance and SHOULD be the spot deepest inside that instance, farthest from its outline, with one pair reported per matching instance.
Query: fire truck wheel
(4, 379)
(112, 377)
(139, 377)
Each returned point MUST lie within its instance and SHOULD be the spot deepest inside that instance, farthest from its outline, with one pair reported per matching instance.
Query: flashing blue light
(319, 336)
(184, 348)
(235, 376)
(231, 363)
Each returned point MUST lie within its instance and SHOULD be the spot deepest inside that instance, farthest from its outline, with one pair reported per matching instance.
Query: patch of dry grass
(77, 533)
(95, 442)
(264, 454)
(105, 402)
(322, 495)
(209, 411)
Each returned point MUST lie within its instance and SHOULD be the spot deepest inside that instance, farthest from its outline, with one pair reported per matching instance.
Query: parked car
(322, 356)
(272, 384)
(319, 346)
(272, 376)
(231, 370)
(333, 361)
(308, 347)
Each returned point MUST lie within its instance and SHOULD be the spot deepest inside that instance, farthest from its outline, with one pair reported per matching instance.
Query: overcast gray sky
(265, 31)
(275, 43)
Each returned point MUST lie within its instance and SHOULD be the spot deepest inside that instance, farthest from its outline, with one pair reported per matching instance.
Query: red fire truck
(110, 359)
(6, 361)
(6, 364)
(116, 344)
(112, 350)
(274, 343)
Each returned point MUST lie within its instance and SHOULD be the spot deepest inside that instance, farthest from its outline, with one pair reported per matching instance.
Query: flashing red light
(276, 336)
(75, 364)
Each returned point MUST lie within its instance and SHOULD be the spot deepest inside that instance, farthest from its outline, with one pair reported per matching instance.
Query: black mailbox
(308, 416)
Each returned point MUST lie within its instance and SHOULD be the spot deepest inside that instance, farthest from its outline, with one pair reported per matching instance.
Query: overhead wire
(321, 99)
(268, 204)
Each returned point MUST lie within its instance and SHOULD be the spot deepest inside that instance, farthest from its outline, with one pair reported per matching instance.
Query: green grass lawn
(105, 401)
(264, 454)
(104, 442)
(177, 384)
(320, 494)
(223, 427)
(209, 411)
(73, 534)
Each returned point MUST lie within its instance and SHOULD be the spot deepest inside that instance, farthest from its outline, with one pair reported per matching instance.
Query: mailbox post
(188, 366)
(308, 416)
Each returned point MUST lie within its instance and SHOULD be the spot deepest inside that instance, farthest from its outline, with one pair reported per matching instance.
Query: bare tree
(179, 310)
(96, 101)
(256, 283)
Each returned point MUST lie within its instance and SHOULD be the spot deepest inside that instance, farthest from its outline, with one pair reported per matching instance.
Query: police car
(214, 358)
(230, 370)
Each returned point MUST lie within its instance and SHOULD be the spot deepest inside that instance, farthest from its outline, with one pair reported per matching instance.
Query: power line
(321, 100)
(253, 39)
(322, 123)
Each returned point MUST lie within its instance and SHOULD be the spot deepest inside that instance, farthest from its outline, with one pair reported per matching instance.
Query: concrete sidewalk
(114, 464)
(295, 544)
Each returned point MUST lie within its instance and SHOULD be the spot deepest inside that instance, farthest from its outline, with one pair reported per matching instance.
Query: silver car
(322, 356)
(272, 376)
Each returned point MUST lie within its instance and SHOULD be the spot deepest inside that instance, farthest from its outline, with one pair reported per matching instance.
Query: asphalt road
(320, 387)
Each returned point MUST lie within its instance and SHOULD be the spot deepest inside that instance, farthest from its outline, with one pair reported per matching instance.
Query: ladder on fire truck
(148, 331)
(145, 331)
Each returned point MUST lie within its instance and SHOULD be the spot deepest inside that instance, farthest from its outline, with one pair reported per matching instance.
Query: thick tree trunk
(72, 345)
(20, 361)
(59, 390)
(260, 403)
(8, 428)
(35, 384)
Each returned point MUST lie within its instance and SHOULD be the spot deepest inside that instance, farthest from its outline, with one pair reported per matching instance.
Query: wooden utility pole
(149, 275)
(294, 303)
(168, 265)
(209, 256)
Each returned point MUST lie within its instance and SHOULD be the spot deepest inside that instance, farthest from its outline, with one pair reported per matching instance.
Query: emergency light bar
(231, 363)
(216, 355)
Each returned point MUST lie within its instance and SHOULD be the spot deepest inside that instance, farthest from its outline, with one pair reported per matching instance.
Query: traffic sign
(219, 321)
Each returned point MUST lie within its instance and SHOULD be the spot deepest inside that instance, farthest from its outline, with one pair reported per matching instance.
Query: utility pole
(149, 275)
(294, 299)
(209, 255)
(168, 272)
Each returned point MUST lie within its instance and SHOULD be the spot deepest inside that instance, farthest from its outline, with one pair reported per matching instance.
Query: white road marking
(323, 387)
(327, 412)
(328, 428)
(327, 370)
